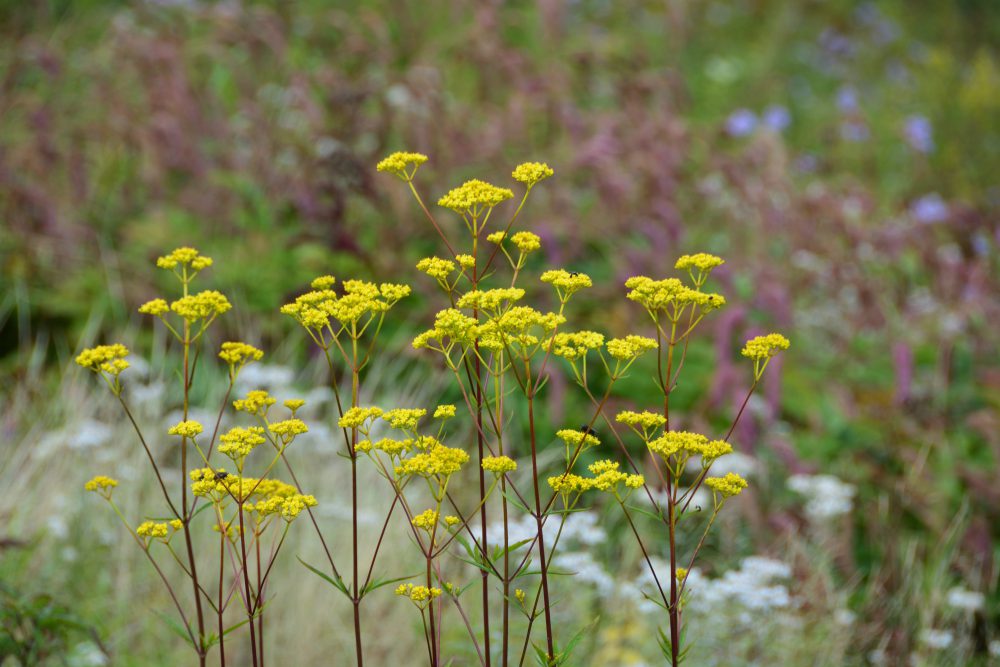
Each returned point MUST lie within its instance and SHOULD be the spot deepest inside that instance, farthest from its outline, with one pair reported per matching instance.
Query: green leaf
(337, 583)
(379, 583)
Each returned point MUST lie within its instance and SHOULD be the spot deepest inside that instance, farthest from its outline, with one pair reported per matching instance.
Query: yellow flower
(155, 307)
(763, 347)
(176, 524)
(151, 529)
(465, 261)
(425, 520)
(419, 595)
(572, 346)
(186, 429)
(451, 520)
(474, 197)
(108, 359)
(450, 324)
(184, 257)
(292, 506)
(357, 417)
(630, 347)
(399, 162)
(436, 268)
(256, 402)
(566, 283)
(404, 419)
(239, 442)
(288, 429)
(569, 483)
(238, 354)
(490, 300)
(102, 485)
(437, 461)
(646, 420)
(673, 442)
(323, 282)
(682, 573)
(701, 261)
(444, 412)
(203, 305)
(294, 404)
(499, 465)
(531, 173)
(519, 595)
(730, 485)
(526, 241)
(574, 438)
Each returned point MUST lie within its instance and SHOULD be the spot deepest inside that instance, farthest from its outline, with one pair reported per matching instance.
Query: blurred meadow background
(842, 156)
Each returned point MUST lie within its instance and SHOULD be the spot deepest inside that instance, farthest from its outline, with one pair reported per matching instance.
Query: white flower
(964, 599)
(826, 496)
(936, 639)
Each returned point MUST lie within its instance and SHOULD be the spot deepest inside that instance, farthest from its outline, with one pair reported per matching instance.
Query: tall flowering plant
(500, 352)
(251, 513)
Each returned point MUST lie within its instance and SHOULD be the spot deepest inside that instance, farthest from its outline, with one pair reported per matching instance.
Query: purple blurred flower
(854, 130)
(847, 99)
(930, 209)
(919, 133)
(776, 117)
(807, 163)
(741, 123)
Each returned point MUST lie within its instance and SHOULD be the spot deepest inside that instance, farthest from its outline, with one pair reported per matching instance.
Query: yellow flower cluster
(238, 354)
(474, 197)
(451, 325)
(205, 481)
(186, 429)
(288, 429)
(294, 404)
(108, 359)
(526, 242)
(490, 301)
(289, 507)
(657, 295)
(730, 485)
(256, 403)
(203, 305)
(399, 162)
(419, 595)
(156, 307)
(238, 442)
(567, 283)
(323, 282)
(438, 461)
(574, 438)
(646, 421)
(436, 268)
(531, 173)
(521, 326)
(425, 520)
(499, 465)
(152, 529)
(451, 520)
(357, 417)
(404, 419)
(701, 261)
(681, 573)
(314, 309)
(569, 483)
(607, 477)
(763, 347)
(573, 346)
(184, 257)
(102, 485)
(672, 442)
(630, 347)
(444, 412)
(465, 261)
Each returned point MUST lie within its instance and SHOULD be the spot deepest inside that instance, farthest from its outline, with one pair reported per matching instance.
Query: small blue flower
(930, 209)
(776, 117)
(919, 133)
(741, 123)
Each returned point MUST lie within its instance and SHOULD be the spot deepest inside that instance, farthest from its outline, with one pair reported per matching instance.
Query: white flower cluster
(937, 640)
(826, 496)
(965, 600)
